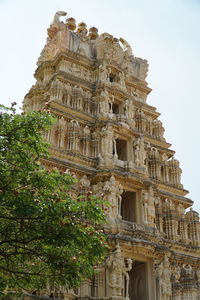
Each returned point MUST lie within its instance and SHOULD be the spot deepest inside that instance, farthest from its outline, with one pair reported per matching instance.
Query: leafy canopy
(45, 235)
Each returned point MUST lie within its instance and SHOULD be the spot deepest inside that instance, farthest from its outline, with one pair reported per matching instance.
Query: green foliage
(45, 235)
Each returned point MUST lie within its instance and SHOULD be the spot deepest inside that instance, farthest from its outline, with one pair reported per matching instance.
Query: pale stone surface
(109, 138)
(118, 277)
(163, 273)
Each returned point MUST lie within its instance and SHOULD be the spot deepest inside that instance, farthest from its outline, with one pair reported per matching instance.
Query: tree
(45, 235)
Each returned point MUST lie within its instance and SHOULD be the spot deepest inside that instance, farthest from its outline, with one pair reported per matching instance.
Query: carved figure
(103, 73)
(113, 191)
(139, 153)
(103, 104)
(187, 272)
(73, 137)
(118, 272)
(86, 140)
(84, 184)
(122, 81)
(163, 274)
(148, 200)
(107, 141)
(176, 274)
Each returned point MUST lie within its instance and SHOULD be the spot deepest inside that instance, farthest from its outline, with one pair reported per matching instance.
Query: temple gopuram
(108, 135)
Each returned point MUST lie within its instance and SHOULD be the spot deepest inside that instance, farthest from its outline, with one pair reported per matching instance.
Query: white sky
(165, 32)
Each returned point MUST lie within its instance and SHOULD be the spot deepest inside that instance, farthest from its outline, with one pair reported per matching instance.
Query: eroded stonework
(112, 140)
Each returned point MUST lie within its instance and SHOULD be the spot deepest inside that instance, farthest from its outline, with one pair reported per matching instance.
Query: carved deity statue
(103, 103)
(107, 141)
(187, 272)
(148, 200)
(86, 141)
(118, 273)
(103, 73)
(139, 152)
(176, 273)
(163, 274)
(113, 191)
(84, 184)
(73, 136)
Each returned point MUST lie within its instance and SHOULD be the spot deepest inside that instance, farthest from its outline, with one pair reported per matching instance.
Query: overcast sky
(165, 32)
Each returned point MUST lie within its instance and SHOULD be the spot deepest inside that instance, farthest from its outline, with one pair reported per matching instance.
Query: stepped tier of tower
(114, 142)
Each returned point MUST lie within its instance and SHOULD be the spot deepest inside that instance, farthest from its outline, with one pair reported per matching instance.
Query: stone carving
(84, 184)
(139, 153)
(122, 81)
(107, 137)
(127, 48)
(57, 91)
(57, 41)
(108, 48)
(118, 273)
(158, 130)
(187, 272)
(57, 16)
(74, 136)
(140, 120)
(129, 112)
(80, 42)
(103, 73)
(140, 67)
(112, 193)
(163, 274)
(61, 132)
(86, 141)
(71, 24)
(176, 273)
(148, 201)
(104, 103)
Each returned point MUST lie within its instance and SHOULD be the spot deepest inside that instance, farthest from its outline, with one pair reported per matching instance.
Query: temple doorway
(138, 287)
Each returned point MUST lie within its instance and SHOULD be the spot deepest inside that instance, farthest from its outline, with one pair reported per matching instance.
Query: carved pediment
(108, 47)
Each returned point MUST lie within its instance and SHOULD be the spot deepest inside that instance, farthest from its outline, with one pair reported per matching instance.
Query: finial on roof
(57, 16)
(82, 27)
(71, 23)
(127, 47)
(93, 33)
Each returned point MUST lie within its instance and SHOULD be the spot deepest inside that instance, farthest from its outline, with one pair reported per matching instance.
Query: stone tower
(112, 139)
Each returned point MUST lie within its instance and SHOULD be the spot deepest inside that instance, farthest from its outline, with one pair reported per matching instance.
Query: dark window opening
(179, 228)
(128, 206)
(112, 77)
(115, 108)
(164, 226)
(121, 146)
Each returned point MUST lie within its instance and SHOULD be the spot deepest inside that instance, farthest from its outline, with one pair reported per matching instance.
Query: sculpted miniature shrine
(113, 141)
